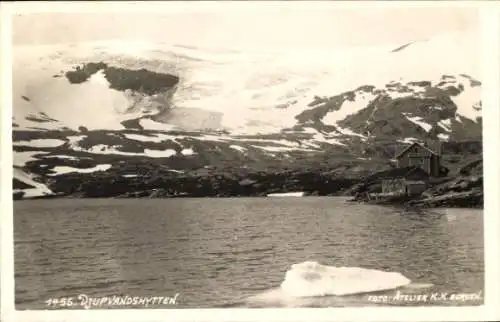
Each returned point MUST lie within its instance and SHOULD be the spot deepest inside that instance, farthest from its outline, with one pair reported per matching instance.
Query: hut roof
(415, 182)
(411, 145)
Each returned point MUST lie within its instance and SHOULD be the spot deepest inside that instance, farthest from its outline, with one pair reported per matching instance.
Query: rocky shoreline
(462, 191)
(171, 185)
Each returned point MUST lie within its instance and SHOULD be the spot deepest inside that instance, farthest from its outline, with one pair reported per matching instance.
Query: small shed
(415, 187)
(420, 156)
(405, 181)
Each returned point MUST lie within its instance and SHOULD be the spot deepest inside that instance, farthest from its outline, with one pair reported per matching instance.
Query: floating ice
(310, 279)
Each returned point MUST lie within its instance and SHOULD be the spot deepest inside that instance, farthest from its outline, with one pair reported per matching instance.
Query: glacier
(242, 92)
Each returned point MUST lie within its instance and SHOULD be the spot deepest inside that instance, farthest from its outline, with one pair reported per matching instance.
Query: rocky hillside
(462, 187)
(118, 126)
(465, 189)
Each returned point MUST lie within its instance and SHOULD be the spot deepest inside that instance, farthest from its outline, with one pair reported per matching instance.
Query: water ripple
(217, 252)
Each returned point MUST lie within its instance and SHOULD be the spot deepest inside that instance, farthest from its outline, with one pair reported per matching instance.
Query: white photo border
(490, 31)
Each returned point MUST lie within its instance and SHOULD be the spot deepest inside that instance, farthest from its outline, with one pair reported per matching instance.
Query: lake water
(235, 252)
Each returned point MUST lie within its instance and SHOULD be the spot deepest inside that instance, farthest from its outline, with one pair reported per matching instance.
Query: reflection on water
(222, 252)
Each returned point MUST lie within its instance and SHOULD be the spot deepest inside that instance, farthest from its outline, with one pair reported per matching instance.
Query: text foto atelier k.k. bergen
(87, 302)
(431, 297)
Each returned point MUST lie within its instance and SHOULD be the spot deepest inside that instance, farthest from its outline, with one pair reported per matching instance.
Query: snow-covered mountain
(182, 109)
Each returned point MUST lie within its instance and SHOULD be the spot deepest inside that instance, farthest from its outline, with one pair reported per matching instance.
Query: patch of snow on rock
(347, 131)
(74, 139)
(61, 157)
(348, 107)
(409, 140)
(280, 148)
(322, 138)
(418, 120)
(466, 101)
(152, 125)
(443, 137)
(146, 138)
(113, 150)
(40, 143)
(238, 148)
(21, 158)
(159, 153)
(188, 151)
(445, 125)
(39, 188)
(64, 169)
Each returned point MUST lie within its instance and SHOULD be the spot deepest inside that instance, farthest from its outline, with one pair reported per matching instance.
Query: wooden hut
(420, 156)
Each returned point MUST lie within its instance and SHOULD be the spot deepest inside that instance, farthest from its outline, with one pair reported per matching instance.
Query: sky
(253, 25)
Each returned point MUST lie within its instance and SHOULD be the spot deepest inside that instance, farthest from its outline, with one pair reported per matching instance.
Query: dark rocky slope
(142, 80)
(317, 155)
